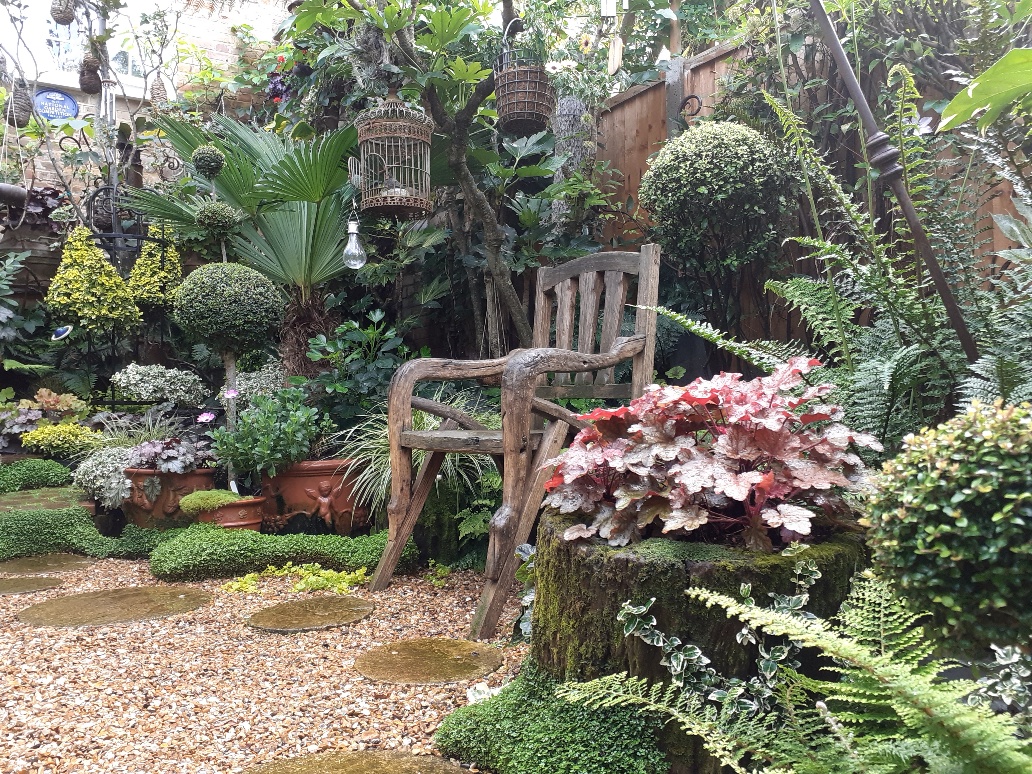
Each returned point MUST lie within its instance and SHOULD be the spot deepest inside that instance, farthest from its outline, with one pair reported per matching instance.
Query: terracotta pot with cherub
(321, 489)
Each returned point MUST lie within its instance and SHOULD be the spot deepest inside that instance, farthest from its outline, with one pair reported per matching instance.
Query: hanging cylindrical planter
(393, 170)
(18, 108)
(158, 92)
(89, 75)
(63, 11)
(524, 97)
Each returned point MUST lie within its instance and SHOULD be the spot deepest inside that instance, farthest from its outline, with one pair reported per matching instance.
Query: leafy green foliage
(309, 577)
(275, 432)
(208, 160)
(101, 475)
(229, 306)
(989, 94)
(208, 500)
(358, 366)
(157, 272)
(525, 729)
(37, 532)
(65, 441)
(205, 551)
(951, 522)
(33, 474)
(890, 712)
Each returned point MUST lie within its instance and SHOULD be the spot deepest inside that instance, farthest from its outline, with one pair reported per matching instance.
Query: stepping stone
(428, 661)
(111, 606)
(40, 565)
(50, 498)
(25, 584)
(305, 615)
(370, 762)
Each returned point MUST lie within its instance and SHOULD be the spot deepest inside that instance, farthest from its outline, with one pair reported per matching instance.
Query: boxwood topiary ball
(951, 523)
(231, 307)
(217, 218)
(208, 161)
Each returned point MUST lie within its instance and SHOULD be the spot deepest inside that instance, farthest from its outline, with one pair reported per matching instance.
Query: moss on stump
(582, 585)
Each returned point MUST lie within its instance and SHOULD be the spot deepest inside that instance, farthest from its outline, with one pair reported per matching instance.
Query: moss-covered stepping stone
(370, 762)
(50, 498)
(47, 563)
(428, 661)
(305, 615)
(26, 583)
(111, 606)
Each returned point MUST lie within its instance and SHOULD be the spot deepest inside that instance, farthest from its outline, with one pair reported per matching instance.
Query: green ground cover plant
(526, 729)
(33, 474)
(207, 551)
(46, 531)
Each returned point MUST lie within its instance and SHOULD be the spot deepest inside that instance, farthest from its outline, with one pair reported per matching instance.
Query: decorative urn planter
(154, 496)
(242, 514)
(319, 488)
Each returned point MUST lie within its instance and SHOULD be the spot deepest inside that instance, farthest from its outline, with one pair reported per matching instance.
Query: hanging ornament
(354, 255)
(158, 92)
(19, 107)
(63, 11)
(89, 75)
(615, 55)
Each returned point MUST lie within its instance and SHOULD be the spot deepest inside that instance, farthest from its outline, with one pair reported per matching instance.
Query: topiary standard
(719, 194)
(208, 161)
(951, 523)
(230, 307)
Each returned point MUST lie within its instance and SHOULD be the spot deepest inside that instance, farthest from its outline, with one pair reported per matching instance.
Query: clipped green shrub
(71, 530)
(208, 160)
(951, 524)
(229, 306)
(208, 551)
(66, 440)
(33, 474)
(208, 500)
(526, 729)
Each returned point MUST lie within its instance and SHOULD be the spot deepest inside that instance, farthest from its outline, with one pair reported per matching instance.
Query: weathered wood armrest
(528, 364)
(430, 369)
(443, 410)
(549, 409)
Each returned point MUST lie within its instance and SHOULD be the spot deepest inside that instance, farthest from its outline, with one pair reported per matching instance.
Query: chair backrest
(580, 305)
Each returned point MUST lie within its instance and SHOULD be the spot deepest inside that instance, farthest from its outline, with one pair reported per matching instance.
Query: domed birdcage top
(392, 171)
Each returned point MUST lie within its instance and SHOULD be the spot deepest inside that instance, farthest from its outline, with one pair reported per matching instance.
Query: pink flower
(232, 393)
(281, 58)
(206, 417)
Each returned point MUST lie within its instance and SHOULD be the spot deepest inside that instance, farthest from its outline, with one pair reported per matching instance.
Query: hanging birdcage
(524, 97)
(392, 172)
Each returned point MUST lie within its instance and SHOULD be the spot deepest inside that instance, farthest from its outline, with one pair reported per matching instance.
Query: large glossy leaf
(310, 171)
(1006, 82)
(295, 243)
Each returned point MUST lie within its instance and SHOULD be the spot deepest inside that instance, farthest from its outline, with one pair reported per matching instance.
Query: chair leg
(496, 591)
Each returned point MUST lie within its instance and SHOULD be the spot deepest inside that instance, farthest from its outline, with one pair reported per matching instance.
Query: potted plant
(225, 508)
(161, 473)
(274, 438)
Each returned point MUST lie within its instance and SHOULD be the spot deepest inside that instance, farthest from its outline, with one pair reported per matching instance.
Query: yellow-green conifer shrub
(153, 281)
(87, 290)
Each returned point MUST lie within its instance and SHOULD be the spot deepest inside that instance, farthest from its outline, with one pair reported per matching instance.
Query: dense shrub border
(198, 552)
(33, 474)
(526, 729)
(208, 551)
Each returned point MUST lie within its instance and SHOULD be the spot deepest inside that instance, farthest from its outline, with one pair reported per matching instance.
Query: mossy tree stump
(582, 585)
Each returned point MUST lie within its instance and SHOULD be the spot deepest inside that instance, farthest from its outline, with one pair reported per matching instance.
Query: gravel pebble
(202, 693)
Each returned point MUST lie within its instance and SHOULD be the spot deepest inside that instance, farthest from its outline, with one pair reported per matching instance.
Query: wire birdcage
(393, 166)
(524, 97)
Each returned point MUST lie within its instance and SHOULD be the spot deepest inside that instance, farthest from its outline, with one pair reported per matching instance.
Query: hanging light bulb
(354, 256)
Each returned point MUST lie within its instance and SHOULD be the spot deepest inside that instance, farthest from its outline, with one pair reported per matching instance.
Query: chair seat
(468, 441)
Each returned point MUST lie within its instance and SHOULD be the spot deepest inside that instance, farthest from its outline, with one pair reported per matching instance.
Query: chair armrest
(528, 364)
(549, 409)
(445, 411)
(429, 369)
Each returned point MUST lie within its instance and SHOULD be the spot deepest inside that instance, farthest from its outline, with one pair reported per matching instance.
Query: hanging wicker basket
(393, 167)
(89, 77)
(524, 97)
(63, 11)
(18, 108)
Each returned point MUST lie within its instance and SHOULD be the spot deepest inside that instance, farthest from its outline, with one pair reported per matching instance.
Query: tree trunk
(305, 318)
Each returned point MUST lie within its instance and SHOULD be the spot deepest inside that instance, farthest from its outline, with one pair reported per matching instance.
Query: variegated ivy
(743, 458)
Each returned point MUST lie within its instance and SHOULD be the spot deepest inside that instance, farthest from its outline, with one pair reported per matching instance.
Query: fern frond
(825, 312)
(766, 355)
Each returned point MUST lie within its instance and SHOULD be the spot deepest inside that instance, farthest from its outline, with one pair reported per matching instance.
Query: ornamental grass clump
(87, 291)
(723, 459)
(951, 524)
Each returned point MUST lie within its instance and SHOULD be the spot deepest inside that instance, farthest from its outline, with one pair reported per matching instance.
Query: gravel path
(201, 693)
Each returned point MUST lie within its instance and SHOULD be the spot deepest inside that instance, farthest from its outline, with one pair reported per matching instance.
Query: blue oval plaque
(53, 104)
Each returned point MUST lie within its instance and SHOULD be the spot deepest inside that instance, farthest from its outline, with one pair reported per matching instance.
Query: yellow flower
(586, 43)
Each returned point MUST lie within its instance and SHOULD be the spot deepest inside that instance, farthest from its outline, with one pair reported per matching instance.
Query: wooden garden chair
(575, 350)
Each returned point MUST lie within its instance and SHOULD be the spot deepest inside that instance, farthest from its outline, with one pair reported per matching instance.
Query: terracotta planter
(318, 488)
(154, 498)
(243, 514)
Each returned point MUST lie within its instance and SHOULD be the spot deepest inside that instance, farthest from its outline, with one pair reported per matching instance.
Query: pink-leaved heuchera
(744, 458)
